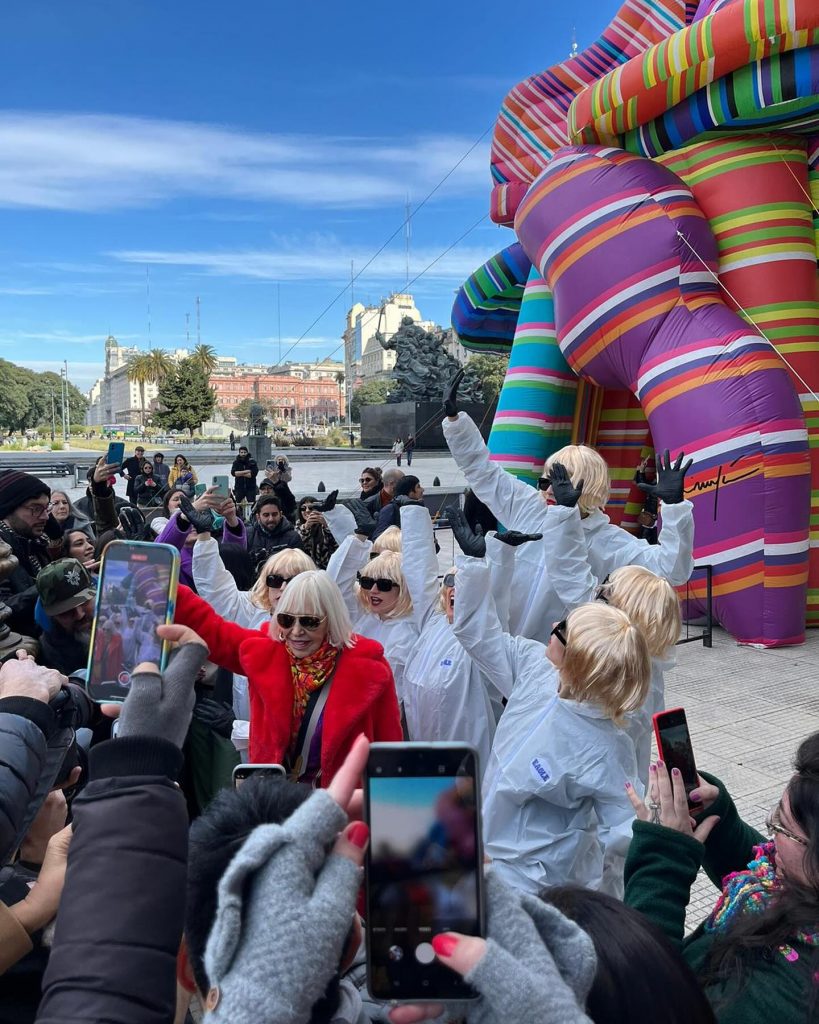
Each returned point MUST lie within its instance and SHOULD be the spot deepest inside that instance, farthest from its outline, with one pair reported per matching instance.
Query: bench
(38, 468)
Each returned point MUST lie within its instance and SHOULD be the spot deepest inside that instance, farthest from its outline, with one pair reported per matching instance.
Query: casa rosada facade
(286, 397)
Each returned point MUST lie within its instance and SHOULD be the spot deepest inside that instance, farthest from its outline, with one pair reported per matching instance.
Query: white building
(321, 369)
(115, 398)
(360, 342)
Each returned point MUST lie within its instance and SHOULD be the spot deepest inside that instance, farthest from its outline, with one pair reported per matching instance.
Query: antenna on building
(198, 322)
(407, 234)
(279, 315)
(573, 50)
(352, 283)
(148, 299)
(187, 329)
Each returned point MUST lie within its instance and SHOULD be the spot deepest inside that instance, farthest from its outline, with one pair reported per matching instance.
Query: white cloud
(89, 162)
(81, 374)
(324, 260)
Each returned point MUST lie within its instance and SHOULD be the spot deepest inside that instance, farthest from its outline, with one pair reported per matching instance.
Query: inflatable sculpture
(662, 293)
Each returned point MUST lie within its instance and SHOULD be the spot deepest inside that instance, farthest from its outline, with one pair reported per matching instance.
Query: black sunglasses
(309, 622)
(560, 631)
(365, 479)
(544, 483)
(367, 583)
(276, 581)
(601, 591)
(449, 579)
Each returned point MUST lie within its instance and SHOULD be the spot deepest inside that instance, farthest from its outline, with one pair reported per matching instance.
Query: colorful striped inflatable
(696, 336)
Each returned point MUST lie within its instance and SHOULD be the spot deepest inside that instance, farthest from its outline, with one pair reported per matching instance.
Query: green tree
(205, 358)
(185, 397)
(25, 398)
(490, 371)
(140, 372)
(371, 392)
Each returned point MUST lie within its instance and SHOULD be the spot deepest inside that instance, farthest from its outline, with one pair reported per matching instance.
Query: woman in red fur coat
(314, 685)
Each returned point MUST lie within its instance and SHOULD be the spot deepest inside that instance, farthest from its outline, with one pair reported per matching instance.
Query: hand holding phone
(243, 772)
(116, 453)
(424, 868)
(674, 746)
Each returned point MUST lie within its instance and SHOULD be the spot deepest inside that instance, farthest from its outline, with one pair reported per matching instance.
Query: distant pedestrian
(130, 470)
(398, 450)
(409, 448)
(232, 441)
(352, 439)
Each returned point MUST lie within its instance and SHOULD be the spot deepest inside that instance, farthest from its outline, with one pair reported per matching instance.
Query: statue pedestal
(259, 446)
(381, 424)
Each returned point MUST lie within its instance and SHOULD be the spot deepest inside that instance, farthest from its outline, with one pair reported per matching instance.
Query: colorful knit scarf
(750, 892)
(309, 674)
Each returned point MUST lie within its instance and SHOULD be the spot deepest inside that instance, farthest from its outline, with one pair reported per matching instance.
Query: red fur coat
(362, 697)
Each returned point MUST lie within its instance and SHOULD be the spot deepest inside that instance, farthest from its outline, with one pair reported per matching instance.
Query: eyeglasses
(276, 582)
(37, 511)
(309, 622)
(773, 826)
(601, 590)
(560, 631)
(385, 586)
(544, 483)
(449, 579)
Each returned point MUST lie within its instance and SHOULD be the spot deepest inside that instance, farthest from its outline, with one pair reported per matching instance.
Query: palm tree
(140, 372)
(340, 378)
(204, 356)
(161, 365)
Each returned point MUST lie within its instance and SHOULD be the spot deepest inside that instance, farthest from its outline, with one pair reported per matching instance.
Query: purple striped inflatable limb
(485, 312)
(627, 255)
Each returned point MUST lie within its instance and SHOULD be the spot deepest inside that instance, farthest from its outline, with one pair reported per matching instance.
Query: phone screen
(424, 866)
(271, 464)
(116, 452)
(674, 745)
(136, 593)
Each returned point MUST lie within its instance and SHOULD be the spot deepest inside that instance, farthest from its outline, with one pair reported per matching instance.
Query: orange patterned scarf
(309, 674)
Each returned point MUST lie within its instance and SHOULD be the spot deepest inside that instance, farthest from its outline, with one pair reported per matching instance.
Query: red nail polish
(444, 945)
(660, 764)
(358, 834)
(675, 771)
(652, 767)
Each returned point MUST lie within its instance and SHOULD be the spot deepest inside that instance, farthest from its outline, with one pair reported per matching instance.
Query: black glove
(216, 715)
(564, 491)
(670, 485)
(470, 542)
(514, 538)
(202, 522)
(451, 394)
(132, 521)
(53, 530)
(328, 504)
(361, 513)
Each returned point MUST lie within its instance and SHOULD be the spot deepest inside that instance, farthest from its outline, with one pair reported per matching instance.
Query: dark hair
(373, 471)
(66, 545)
(795, 907)
(104, 539)
(267, 483)
(239, 564)
(158, 455)
(266, 499)
(477, 514)
(215, 838)
(640, 976)
(303, 502)
(168, 495)
(409, 483)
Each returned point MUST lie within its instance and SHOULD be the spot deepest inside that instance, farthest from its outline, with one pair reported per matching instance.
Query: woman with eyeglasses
(757, 953)
(370, 482)
(555, 807)
(519, 506)
(311, 526)
(315, 686)
(445, 699)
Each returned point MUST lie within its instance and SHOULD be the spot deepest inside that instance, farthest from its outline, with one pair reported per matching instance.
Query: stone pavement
(747, 712)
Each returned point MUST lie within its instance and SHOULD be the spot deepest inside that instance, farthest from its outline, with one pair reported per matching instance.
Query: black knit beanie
(16, 488)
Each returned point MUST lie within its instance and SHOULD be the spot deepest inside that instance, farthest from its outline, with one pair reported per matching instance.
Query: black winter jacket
(25, 725)
(123, 906)
(18, 590)
(262, 543)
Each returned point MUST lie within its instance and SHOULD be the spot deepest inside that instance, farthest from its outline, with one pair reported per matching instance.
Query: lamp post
(53, 418)
(67, 404)
(62, 397)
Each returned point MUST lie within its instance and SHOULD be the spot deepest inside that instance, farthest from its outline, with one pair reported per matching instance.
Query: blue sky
(234, 148)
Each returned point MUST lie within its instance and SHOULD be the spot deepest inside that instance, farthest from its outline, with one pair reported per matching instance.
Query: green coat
(661, 867)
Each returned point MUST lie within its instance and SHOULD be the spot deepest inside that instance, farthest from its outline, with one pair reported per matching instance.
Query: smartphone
(243, 772)
(222, 485)
(424, 866)
(199, 489)
(136, 593)
(270, 464)
(116, 453)
(674, 745)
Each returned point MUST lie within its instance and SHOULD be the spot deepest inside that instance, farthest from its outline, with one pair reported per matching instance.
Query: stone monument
(423, 366)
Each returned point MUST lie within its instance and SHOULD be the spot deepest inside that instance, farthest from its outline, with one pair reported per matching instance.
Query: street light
(63, 399)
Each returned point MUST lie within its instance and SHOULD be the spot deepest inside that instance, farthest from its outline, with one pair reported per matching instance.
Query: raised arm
(216, 585)
(517, 505)
(223, 638)
(419, 562)
(566, 557)
(350, 557)
(477, 626)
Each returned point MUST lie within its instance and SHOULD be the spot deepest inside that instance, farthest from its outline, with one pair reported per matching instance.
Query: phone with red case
(674, 745)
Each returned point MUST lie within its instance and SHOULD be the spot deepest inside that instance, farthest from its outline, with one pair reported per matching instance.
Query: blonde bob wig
(314, 593)
(443, 602)
(606, 661)
(389, 540)
(289, 562)
(584, 463)
(387, 566)
(650, 602)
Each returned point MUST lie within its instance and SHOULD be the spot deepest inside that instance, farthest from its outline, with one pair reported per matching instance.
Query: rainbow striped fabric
(486, 309)
(631, 262)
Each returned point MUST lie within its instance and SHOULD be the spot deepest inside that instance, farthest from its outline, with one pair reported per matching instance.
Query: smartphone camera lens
(379, 771)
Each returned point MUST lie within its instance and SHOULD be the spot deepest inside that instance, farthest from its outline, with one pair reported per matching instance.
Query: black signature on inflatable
(722, 479)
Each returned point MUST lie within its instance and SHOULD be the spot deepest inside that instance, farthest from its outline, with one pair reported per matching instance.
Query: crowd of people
(136, 879)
